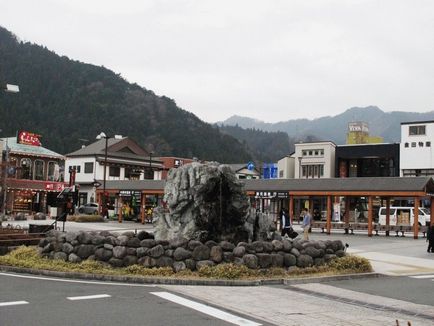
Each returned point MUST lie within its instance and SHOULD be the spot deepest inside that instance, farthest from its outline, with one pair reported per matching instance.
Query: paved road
(42, 301)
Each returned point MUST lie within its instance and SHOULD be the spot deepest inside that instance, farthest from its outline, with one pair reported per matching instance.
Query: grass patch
(28, 257)
(85, 218)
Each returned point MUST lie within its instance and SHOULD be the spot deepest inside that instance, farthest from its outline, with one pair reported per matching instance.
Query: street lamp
(104, 198)
(10, 89)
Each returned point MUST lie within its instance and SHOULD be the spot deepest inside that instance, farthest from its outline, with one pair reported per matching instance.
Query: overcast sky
(270, 60)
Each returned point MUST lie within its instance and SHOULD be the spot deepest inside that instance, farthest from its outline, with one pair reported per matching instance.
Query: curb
(174, 281)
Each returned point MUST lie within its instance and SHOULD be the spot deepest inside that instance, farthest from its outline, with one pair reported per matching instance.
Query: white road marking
(422, 276)
(75, 281)
(89, 297)
(206, 309)
(12, 303)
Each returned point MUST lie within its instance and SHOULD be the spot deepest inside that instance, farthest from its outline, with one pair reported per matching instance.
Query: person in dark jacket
(430, 238)
(286, 223)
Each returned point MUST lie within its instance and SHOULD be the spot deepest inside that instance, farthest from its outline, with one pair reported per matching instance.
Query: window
(316, 153)
(413, 144)
(76, 167)
(321, 152)
(304, 170)
(280, 174)
(428, 144)
(39, 170)
(304, 153)
(114, 171)
(406, 145)
(321, 170)
(310, 153)
(416, 130)
(421, 144)
(88, 167)
(52, 171)
(26, 168)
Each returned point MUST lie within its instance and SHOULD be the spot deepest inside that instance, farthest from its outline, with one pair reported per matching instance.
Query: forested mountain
(265, 146)
(65, 101)
(384, 124)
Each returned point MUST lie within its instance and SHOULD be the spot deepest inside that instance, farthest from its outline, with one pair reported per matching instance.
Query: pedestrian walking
(430, 238)
(285, 223)
(307, 220)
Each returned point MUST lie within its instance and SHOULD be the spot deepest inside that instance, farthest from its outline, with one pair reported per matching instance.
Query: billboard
(28, 138)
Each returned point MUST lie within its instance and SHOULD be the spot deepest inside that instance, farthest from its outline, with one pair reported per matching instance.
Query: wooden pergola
(415, 188)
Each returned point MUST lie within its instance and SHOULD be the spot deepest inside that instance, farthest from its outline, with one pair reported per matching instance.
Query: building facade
(367, 160)
(417, 155)
(286, 167)
(125, 160)
(314, 160)
(32, 176)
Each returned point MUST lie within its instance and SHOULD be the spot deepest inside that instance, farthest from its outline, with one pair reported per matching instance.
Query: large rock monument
(202, 202)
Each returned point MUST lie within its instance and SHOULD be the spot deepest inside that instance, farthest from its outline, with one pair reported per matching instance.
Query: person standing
(430, 238)
(307, 220)
(286, 223)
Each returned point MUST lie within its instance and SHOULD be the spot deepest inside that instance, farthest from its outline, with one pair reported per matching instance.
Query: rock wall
(129, 249)
(202, 202)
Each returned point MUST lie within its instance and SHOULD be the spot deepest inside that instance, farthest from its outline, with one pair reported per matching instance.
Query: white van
(404, 215)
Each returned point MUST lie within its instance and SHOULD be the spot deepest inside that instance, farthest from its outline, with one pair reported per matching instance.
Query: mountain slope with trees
(66, 101)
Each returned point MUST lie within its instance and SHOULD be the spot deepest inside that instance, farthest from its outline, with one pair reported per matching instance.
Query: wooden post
(387, 216)
(416, 218)
(329, 213)
(120, 210)
(370, 200)
(291, 208)
(142, 208)
(432, 212)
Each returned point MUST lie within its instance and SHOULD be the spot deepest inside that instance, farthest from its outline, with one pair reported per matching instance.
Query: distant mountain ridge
(384, 124)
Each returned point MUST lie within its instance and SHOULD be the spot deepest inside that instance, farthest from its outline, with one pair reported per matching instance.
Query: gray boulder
(119, 252)
(304, 261)
(203, 263)
(227, 246)
(313, 252)
(264, 260)
(103, 254)
(276, 260)
(216, 254)
(73, 258)
(239, 251)
(156, 251)
(141, 251)
(193, 244)
(133, 242)
(295, 252)
(277, 245)
(201, 253)
(164, 262)
(148, 243)
(84, 237)
(122, 240)
(179, 266)
(190, 264)
(85, 250)
(289, 260)
(228, 257)
(129, 260)
(287, 246)
(251, 261)
(60, 256)
(67, 248)
(181, 254)
(116, 262)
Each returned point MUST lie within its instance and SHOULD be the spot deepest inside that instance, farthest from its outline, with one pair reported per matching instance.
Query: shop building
(416, 153)
(32, 175)
(245, 171)
(367, 160)
(170, 162)
(122, 158)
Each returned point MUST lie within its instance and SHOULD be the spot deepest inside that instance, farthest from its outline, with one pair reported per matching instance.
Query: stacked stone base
(129, 249)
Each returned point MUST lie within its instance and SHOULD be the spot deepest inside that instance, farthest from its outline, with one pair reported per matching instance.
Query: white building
(416, 153)
(126, 160)
(314, 160)
(286, 167)
(242, 171)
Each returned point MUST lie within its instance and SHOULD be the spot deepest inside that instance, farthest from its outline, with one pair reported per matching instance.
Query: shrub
(351, 264)
(86, 218)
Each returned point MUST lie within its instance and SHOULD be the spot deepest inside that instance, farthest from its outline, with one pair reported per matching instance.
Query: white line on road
(75, 281)
(12, 303)
(422, 276)
(206, 309)
(88, 297)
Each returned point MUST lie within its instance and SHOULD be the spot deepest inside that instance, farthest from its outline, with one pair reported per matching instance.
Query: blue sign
(250, 166)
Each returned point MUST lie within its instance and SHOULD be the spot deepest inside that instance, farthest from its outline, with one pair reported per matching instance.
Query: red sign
(54, 186)
(28, 138)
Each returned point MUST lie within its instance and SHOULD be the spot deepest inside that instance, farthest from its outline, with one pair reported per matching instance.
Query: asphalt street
(42, 301)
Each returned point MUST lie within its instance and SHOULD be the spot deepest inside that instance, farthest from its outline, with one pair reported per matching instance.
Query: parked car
(89, 208)
(404, 215)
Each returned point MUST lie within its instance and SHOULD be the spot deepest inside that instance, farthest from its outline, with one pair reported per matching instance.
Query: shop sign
(54, 186)
(28, 138)
(129, 193)
(271, 194)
